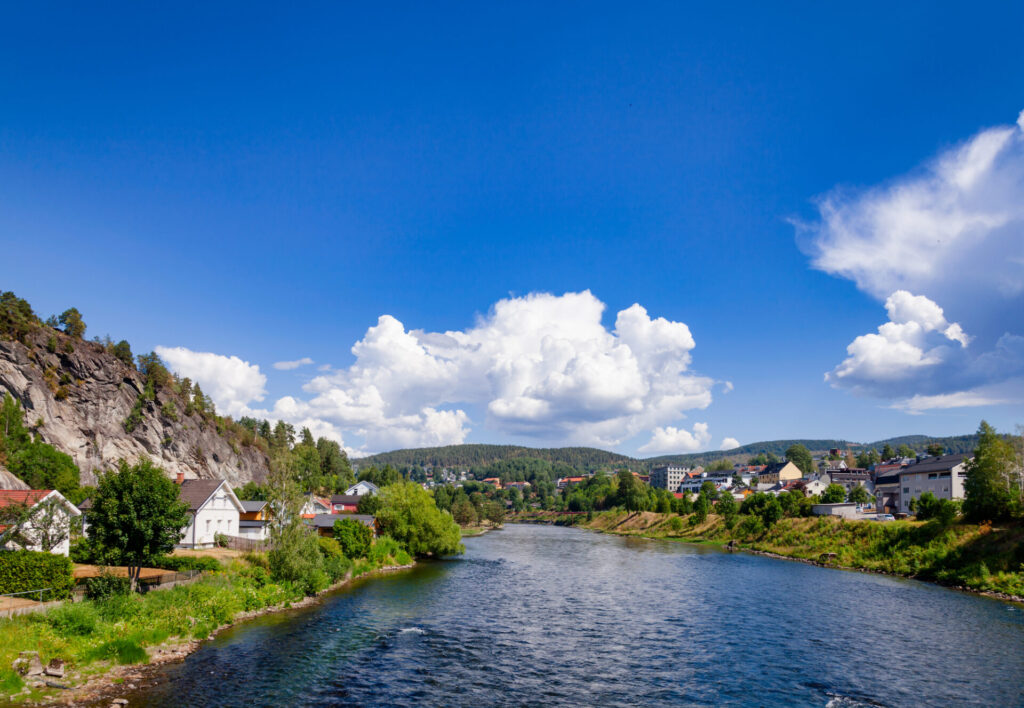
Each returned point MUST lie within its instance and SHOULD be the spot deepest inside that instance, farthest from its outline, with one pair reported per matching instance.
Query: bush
(21, 571)
(750, 527)
(354, 537)
(221, 540)
(384, 548)
(82, 551)
(257, 558)
(75, 619)
(181, 564)
(106, 585)
(120, 651)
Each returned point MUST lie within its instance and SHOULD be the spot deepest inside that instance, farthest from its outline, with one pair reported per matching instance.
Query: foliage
(136, 516)
(726, 505)
(408, 515)
(368, 504)
(123, 351)
(23, 571)
(766, 507)
(71, 320)
(17, 320)
(76, 619)
(993, 489)
(800, 456)
(295, 553)
(44, 525)
(858, 495)
(251, 491)
(833, 494)
(42, 466)
(182, 564)
(464, 512)
(354, 537)
(106, 585)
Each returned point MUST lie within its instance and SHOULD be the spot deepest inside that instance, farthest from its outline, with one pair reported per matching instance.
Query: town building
(943, 476)
(344, 503)
(214, 509)
(45, 525)
(253, 521)
(324, 523)
(669, 476)
(362, 488)
(779, 472)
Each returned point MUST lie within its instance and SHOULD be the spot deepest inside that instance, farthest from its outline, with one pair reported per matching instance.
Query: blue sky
(776, 182)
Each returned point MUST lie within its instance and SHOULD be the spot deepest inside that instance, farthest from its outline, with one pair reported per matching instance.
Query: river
(538, 615)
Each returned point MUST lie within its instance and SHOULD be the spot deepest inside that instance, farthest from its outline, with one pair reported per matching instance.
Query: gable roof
(935, 464)
(251, 507)
(29, 497)
(364, 483)
(196, 492)
(775, 468)
(345, 499)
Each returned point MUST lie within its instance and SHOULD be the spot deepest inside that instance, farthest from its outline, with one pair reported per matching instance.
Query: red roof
(30, 497)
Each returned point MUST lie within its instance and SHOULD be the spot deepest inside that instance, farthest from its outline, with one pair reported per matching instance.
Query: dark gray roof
(327, 520)
(85, 505)
(246, 524)
(345, 499)
(935, 464)
(196, 491)
(888, 479)
(251, 507)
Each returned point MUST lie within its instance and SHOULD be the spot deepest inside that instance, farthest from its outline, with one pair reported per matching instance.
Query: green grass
(978, 557)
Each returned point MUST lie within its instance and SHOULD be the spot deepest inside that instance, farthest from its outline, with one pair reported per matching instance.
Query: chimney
(180, 478)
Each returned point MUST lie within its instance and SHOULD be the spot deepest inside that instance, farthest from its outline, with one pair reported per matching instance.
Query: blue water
(536, 615)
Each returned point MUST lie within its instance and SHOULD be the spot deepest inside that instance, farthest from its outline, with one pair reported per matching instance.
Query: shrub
(257, 558)
(222, 540)
(22, 571)
(384, 548)
(750, 527)
(120, 651)
(106, 585)
(75, 619)
(181, 564)
(354, 537)
(82, 551)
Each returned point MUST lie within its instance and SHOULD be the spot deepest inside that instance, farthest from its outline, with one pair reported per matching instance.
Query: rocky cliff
(77, 397)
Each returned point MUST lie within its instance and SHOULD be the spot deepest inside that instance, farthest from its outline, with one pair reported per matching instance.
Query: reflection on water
(536, 615)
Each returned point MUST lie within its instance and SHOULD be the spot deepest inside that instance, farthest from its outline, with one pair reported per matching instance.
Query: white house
(46, 524)
(253, 521)
(363, 488)
(214, 509)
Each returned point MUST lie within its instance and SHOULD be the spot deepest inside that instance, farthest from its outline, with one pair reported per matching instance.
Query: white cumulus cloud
(952, 233)
(289, 365)
(670, 439)
(729, 444)
(232, 383)
(541, 365)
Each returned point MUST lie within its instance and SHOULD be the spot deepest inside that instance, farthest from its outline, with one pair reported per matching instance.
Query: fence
(246, 544)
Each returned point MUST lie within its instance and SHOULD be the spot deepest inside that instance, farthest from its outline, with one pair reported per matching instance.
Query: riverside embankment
(974, 557)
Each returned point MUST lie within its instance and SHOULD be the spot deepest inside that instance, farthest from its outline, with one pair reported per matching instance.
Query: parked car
(884, 517)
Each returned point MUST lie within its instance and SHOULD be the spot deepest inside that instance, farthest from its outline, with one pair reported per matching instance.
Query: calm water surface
(536, 615)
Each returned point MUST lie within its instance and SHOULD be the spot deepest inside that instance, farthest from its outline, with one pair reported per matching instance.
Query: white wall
(217, 515)
(912, 486)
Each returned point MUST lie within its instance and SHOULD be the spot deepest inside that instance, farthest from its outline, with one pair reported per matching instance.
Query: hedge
(182, 564)
(21, 571)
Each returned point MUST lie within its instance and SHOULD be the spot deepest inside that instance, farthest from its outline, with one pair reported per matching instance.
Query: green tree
(408, 514)
(42, 466)
(354, 537)
(334, 463)
(495, 512)
(858, 495)
(987, 489)
(251, 491)
(935, 449)
(71, 320)
(905, 450)
(123, 351)
(887, 452)
(701, 507)
(464, 512)
(833, 494)
(727, 504)
(722, 465)
(766, 507)
(294, 554)
(801, 457)
(368, 504)
(709, 490)
(136, 516)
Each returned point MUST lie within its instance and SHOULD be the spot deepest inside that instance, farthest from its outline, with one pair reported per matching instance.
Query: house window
(207, 526)
(906, 490)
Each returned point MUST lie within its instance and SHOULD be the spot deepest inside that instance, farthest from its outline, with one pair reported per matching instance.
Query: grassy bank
(94, 636)
(977, 557)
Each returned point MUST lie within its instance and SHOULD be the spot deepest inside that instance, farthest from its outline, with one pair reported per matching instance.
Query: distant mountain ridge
(585, 458)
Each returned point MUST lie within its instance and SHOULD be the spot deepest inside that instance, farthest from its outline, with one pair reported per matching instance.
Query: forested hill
(589, 458)
(583, 458)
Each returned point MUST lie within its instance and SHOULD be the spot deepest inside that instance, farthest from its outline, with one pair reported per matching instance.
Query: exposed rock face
(98, 392)
(9, 481)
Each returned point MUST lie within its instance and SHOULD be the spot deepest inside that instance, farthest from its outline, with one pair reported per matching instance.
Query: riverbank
(110, 646)
(977, 558)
